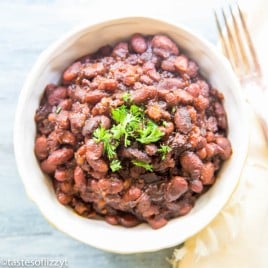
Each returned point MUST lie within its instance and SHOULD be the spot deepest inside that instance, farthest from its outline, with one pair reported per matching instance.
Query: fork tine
(241, 55)
(223, 43)
(244, 57)
(249, 42)
(233, 51)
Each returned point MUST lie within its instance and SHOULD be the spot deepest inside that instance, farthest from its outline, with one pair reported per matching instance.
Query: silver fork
(238, 47)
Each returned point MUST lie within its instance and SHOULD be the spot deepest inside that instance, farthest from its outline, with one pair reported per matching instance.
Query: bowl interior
(99, 234)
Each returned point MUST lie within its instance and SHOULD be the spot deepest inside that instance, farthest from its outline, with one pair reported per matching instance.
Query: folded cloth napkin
(238, 236)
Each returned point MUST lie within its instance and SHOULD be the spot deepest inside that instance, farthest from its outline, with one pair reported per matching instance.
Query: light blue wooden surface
(26, 28)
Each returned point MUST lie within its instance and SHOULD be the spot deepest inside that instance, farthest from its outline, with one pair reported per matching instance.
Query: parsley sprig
(150, 133)
(145, 165)
(110, 145)
(115, 165)
(130, 124)
(164, 150)
(126, 97)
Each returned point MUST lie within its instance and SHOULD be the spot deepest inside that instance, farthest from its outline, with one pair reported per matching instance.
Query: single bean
(120, 50)
(112, 219)
(143, 95)
(128, 220)
(41, 148)
(66, 187)
(63, 174)
(181, 63)
(63, 198)
(110, 186)
(176, 188)
(225, 145)
(79, 177)
(207, 173)
(98, 165)
(57, 95)
(66, 137)
(151, 149)
(157, 222)
(192, 69)
(94, 122)
(95, 96)
(182, 120)
(138, 43)
(62, 119)
(80, 208)
(107, 84)
(185, 208)
(72, 72)
(201, 103)
(132, 194)
(196, 186)
(94, 150)
(192, 164)
(56, 158)
(194, 89)
(165, 43)
(93, 69)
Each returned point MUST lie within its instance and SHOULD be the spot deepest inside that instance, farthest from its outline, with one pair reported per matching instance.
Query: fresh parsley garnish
(115, 165)
(164, 150)
(58, 109)
(128, 120)
(164, 123)
(150, 133)
(137, 111)
(145, 165)
(103, 135)
(130, 124)
(119, 114)
(126, 97)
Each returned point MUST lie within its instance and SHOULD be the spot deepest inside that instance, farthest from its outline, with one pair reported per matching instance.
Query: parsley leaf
(126, 97)
(137, 111)
(128, 121)
(150, 133)
(110, 149)
(164, 150)
(130, 124)
(117, 131)
(58, 109)
(100, 134)
(164, 123)
(145, 165)
(115, 165)
(103, 135)
(119, 114)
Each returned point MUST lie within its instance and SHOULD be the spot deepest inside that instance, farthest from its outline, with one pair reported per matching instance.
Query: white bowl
(99, 234)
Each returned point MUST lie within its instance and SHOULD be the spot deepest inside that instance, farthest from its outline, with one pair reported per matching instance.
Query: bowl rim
(38, 66)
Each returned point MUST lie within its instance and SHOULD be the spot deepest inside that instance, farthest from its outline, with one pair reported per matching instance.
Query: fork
(238, 47)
